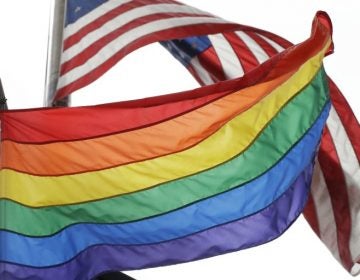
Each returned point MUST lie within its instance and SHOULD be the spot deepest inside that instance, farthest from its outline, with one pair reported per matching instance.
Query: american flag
(98, 33)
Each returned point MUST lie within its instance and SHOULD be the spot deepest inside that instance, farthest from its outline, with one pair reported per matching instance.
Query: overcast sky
(151, 71)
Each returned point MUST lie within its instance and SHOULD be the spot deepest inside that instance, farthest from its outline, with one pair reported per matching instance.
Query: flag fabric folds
(174, 178)
(332, 209)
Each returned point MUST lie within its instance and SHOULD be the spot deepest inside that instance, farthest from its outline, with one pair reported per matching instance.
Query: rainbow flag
(163, 180)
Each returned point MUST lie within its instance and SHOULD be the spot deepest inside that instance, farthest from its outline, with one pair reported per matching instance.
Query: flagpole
(55, 39)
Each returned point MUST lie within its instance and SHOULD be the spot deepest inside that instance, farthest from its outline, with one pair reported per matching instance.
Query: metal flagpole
(55, 42)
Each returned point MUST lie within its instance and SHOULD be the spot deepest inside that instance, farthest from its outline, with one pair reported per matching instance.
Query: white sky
(151, 71)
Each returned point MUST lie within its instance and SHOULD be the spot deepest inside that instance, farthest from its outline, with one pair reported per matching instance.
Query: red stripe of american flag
(311, 215)
(210, 61)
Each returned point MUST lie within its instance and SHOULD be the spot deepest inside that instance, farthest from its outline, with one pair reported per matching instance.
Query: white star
(78, 9)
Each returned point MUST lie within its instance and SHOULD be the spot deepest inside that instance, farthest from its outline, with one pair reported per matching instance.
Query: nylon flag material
(146, 183)
(100, 33)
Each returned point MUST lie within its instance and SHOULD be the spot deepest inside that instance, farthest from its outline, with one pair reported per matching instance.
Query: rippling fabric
(163, 180)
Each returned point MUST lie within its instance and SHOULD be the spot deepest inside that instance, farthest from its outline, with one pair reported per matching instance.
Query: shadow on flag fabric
(184, 176)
